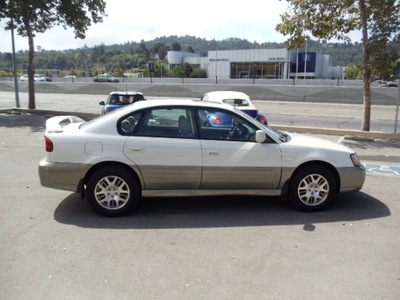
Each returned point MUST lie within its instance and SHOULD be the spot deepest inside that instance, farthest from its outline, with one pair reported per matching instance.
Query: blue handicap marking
(382, 169)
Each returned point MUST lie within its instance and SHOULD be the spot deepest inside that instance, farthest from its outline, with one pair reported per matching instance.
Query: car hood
(306, 141)
(301, 149)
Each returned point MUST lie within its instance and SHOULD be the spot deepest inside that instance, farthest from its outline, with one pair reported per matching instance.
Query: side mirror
(102, 103)
(261, 137)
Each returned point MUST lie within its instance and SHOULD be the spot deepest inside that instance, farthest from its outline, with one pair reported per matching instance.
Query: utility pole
(14, 66)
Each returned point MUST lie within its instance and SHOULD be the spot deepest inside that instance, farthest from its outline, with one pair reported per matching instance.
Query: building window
(257, 70)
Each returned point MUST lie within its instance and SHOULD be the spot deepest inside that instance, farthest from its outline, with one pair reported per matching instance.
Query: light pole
(297, 62)
(216, 64)
(17, 104)
(254, 75)
(305, 60)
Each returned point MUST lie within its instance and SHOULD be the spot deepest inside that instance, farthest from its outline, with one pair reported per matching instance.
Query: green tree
(8, 60)
(80, 59)
(97, 54)
(159, 50)
(162, 69)
(188, 69)
(199, 73)
(176, 47)
(378, 21)
(178, 71)
(353, 71)
(61, 61)
(30, 17)
(190, 49)
(118, 72)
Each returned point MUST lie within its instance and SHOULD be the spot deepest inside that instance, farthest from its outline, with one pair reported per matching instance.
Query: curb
(349, 134)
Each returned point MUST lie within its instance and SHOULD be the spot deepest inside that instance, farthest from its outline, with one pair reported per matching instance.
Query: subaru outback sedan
(161, 148)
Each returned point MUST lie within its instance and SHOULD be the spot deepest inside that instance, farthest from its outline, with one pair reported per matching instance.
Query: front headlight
(356, 161)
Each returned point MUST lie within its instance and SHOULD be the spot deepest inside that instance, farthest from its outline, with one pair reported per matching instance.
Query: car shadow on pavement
(203, 212)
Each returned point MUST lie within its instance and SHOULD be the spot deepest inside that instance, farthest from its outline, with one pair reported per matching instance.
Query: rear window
(236, 102)
(124, 99)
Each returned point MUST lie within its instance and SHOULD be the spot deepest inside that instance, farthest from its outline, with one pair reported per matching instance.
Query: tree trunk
(366, 67)
(31, 69)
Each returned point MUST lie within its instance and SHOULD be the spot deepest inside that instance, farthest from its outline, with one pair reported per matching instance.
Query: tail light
(262, 119)
(217, 120)
(49, 144)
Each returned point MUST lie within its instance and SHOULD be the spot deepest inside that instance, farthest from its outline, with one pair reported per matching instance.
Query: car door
(233, 160)
(167, 159)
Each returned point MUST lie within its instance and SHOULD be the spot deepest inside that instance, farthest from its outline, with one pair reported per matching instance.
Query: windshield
(236, 102)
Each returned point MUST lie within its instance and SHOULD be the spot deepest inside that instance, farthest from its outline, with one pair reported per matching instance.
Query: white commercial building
(259, 63)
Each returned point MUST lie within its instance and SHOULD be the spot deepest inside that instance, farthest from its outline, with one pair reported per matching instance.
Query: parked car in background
(105, 78)
(161, 148)
(36, 78)
(394, 83)
(48, 79)
(239, 100)
(70, 77)
(117, 99)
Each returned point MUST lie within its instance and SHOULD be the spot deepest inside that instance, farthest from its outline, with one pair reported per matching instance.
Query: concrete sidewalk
(382, 150)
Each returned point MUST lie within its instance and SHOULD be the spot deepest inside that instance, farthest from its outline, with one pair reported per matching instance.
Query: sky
(133, 21)
(129, 20)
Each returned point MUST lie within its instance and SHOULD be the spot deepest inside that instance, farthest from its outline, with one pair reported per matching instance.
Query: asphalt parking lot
(54, 247)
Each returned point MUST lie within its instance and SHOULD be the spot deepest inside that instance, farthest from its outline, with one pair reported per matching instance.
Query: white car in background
(36, 78)
(161, 148)
(238, 99)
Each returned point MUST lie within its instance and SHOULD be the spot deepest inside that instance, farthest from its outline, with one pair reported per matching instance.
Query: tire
(312, 188)
(112, 191)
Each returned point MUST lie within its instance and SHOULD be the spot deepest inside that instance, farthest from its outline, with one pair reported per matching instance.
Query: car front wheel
(112, 191)
(312, 188)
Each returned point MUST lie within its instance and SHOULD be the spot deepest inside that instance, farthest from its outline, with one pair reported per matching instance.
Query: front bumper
(351, 178)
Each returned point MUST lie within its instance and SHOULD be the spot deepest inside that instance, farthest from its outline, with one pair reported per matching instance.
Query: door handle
(135, 149)
(213, 153)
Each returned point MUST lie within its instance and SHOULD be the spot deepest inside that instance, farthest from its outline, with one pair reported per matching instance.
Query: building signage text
(277, 58)
(219, 59)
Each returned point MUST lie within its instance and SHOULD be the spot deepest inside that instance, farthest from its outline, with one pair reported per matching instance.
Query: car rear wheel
(312, 188)
(112, 191)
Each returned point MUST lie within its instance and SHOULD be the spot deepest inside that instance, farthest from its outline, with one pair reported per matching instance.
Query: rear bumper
(62, 176)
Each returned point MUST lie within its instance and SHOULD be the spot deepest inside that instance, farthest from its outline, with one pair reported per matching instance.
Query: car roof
(227, 94)
(173, 102)
(124, 93)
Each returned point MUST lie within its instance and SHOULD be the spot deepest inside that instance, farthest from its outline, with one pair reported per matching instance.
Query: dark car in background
(105, 78)
(384, 83)
(118, 99)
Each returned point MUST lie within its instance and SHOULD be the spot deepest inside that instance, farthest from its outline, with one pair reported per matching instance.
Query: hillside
(135, 55)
